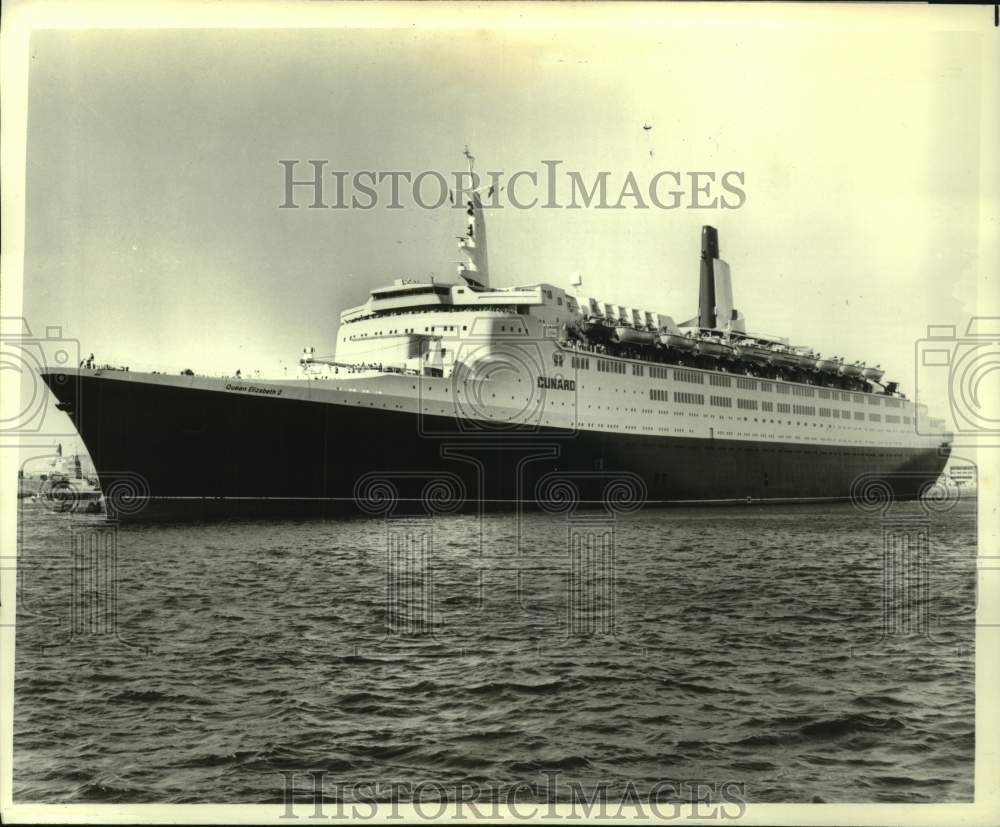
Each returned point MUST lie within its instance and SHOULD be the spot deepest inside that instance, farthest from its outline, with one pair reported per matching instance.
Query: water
(762, 646)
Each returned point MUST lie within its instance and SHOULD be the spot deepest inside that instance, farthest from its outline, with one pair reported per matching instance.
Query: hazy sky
(154, 235)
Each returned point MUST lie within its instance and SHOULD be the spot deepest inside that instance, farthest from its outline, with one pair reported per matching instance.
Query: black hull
(163, 451)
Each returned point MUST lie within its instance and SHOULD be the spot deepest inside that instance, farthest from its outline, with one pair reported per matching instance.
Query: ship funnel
(706, 290)
(709, 242)
(715, 293)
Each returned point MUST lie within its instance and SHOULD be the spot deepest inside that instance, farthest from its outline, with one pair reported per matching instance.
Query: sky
(154, 236)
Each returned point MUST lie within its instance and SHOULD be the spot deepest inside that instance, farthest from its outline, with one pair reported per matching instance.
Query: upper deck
(405, 296)
(421, 326)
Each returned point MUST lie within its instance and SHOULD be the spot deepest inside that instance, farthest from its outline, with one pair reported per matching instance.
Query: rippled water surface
(766, 646)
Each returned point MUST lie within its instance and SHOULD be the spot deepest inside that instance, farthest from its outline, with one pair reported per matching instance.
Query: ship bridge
(407, 296)
(423, 327)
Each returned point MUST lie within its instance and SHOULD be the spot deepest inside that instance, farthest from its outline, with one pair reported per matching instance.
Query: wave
(155, 696)
(825, 729)
(848, 725)
(570, 762)
(105, 792)
(497, 687)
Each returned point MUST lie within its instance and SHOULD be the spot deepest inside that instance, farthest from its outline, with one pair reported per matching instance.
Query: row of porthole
(582, 387)
(627, 427)
(712, 416)
(870, 400)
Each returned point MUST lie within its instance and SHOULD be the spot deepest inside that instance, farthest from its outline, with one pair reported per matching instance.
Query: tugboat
(66, 488)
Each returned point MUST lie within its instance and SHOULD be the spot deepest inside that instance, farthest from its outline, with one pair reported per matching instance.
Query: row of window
(607, 366)
(717, 380)
(742, 404)
(689, 398)
(744, 383)
(752, 405)
(445, 328)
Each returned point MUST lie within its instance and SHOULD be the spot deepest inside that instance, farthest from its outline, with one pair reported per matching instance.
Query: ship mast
(475, 268)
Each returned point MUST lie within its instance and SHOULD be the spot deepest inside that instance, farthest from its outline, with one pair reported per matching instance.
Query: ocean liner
(447, 395)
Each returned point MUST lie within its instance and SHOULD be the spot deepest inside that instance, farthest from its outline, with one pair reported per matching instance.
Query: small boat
(827, 365)
(678, 341)
(595, 328)
(805, 360)
(634, 336)
(853, 370)
(782, 358)
(875, 374)
(755, 353)
(715, 348)
(78, 495)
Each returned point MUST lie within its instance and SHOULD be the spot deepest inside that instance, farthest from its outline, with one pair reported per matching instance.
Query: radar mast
(475, 268)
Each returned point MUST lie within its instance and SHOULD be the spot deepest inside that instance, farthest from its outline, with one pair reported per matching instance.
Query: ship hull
(189, 453)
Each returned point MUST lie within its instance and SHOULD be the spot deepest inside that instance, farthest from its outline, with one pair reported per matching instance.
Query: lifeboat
(875, 374)
(634, 336)
(787, 359)
(595, 328)
(715, 348)
(678, 342)
(827, 365)
(852, 371)
(754, 353)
